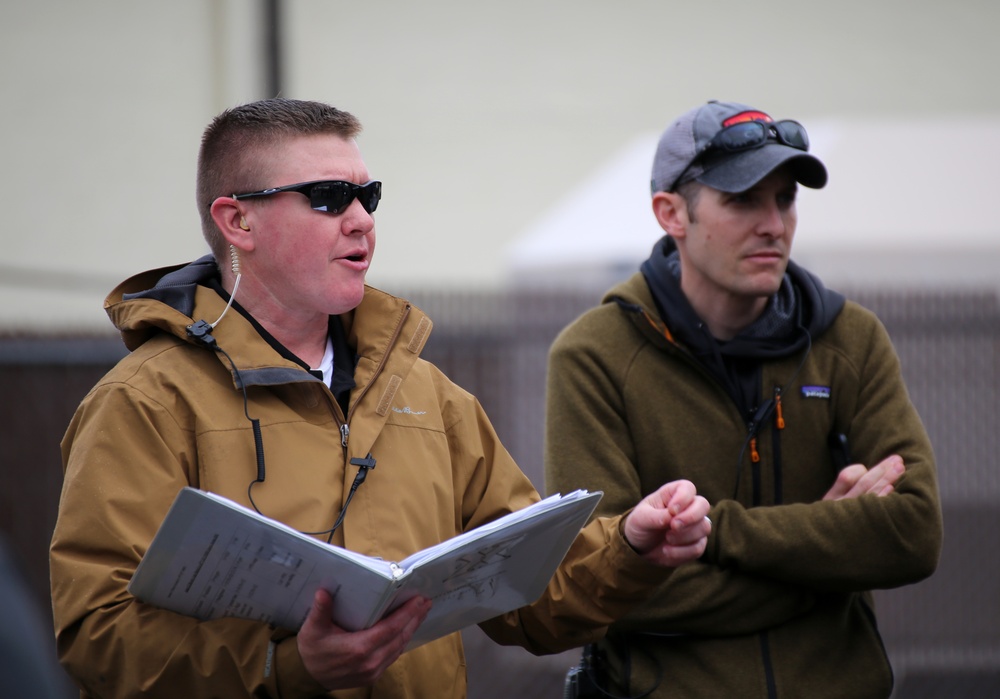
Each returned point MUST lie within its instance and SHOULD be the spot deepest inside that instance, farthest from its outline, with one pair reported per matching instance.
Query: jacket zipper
(754, 425)
(761, 415)
(765, 651)
(779, 426)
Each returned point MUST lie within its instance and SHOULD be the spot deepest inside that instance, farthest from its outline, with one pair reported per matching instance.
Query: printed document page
(214, 558)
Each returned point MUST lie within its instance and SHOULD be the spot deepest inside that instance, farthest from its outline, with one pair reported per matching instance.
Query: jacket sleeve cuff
(631, 561)
(292, 677)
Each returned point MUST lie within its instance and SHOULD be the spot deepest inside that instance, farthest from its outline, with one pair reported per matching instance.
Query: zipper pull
(345, 432)
(779, 419)
(754, 454)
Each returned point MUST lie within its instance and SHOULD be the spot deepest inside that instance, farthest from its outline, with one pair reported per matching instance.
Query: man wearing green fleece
(723, 362)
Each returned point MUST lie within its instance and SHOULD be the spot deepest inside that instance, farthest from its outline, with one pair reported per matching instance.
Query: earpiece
(244, 225)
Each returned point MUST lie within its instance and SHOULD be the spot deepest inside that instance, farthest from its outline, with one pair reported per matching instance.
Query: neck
(306, 343)
(303, 333)
(726, 316)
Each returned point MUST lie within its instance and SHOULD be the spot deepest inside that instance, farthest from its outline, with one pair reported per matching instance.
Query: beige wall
(479, 116)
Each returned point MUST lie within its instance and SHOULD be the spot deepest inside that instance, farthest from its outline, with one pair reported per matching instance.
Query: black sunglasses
(754, 134)
(331, 196)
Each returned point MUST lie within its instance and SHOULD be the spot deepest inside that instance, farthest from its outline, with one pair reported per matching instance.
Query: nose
(773, 221)
(356, 220)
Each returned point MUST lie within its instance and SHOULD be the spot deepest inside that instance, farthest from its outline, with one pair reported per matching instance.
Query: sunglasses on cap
(754, 134)
(331, 196)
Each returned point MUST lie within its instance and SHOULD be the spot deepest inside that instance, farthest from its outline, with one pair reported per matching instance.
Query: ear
(671, 213)
(231, 218)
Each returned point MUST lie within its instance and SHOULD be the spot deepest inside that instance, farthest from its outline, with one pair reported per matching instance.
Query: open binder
(214, 558)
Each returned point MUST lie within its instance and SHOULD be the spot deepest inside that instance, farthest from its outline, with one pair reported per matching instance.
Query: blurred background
(514, 141)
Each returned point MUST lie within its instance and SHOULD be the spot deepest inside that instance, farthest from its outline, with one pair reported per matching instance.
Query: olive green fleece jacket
(171, 415)
(780, 605)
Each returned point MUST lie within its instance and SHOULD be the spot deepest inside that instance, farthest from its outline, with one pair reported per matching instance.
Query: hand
(855, 480)
(671, 526)
(340, 659)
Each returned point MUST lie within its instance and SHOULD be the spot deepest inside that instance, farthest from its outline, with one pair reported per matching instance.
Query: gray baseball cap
(683, 153)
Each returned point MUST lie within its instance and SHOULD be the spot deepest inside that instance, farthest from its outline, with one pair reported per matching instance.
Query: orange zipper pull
(779, 418)
(754, 454)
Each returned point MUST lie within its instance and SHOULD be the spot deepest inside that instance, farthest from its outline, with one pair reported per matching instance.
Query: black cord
(258, 439)
(202, 332)
(364, 466)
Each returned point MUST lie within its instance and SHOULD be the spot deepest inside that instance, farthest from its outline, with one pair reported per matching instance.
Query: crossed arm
(856, 480)
(763, 565)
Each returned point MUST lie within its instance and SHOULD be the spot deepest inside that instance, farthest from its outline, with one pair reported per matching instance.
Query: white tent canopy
(909, 204)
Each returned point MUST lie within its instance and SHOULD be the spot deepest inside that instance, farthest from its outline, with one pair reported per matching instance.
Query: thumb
(678, 495)
(320, 615)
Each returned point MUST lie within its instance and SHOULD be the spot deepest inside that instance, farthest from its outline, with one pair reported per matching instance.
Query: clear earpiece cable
(236, 285)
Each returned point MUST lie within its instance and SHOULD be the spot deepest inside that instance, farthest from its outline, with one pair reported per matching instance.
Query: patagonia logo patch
(816, 392)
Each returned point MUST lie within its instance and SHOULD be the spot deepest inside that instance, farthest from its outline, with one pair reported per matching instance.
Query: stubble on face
(735, 248)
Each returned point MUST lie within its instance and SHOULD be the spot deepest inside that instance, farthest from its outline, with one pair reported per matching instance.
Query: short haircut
(689, 192)
(237, 144)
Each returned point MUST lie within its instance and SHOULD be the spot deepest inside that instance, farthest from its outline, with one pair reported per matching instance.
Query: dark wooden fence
(943, 634)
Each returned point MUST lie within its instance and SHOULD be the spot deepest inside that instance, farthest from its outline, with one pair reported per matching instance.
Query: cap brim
(740, 172)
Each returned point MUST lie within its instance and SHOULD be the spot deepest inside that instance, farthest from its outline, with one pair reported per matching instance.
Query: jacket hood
(164, 300)
(802, 309)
